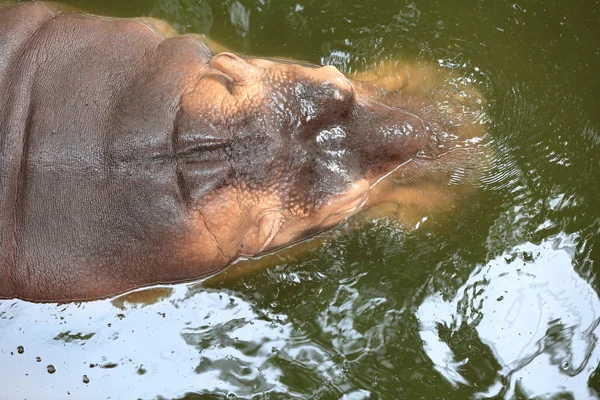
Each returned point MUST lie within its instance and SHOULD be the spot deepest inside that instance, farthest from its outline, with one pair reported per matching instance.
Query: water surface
(496, 299)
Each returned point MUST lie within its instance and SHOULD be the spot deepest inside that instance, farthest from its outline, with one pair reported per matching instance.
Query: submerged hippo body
(129, 159)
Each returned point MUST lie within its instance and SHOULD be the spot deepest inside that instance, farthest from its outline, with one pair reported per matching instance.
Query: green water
(498, 299)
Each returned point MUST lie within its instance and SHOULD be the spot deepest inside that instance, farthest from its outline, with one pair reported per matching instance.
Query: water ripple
(538, 317)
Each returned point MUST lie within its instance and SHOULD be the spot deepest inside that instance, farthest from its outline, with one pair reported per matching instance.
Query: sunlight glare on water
(215, 341)
(538, 317)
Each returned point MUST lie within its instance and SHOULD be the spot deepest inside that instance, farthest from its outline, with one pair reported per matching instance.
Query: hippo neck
(87, 148)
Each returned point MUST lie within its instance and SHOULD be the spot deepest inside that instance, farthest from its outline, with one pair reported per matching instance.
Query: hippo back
(88, 170)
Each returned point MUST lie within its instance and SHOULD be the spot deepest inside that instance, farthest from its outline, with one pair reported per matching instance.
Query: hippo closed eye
(131, 156)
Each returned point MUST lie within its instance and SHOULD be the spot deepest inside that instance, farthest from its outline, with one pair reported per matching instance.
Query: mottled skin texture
(130, 156)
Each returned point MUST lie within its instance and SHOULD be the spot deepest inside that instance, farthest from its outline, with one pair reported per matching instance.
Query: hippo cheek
(345, 204)
(324, 216)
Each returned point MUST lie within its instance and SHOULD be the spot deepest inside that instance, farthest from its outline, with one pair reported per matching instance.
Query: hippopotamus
(133, 156)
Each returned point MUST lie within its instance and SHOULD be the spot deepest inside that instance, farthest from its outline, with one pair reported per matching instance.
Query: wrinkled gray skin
(128, 159)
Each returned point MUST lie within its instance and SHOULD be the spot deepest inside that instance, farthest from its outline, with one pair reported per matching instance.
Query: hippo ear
(238, 69)
(259, 237)
(268, 226)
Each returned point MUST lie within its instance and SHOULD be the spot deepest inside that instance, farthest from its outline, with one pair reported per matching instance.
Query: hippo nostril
(341, 95)
(343, 88)
(332, 75)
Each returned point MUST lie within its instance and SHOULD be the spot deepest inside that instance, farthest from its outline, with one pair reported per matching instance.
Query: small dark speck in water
(38, 359)
(109, 365)
(120, 316)
(92, 365)
(527, 257)
(86, 380)
(20, 349)
(500, 298)
(141, 370)
(51, 369)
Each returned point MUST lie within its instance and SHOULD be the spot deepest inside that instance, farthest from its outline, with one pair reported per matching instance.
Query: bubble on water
(38, 359)
(51, 369)
(20, 349)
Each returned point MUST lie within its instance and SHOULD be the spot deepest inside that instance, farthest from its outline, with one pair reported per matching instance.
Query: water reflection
(215, 341)
(187, 16)
(536, 315)
(524, 322)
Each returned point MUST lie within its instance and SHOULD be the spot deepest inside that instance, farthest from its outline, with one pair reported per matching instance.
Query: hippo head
(277, 151)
